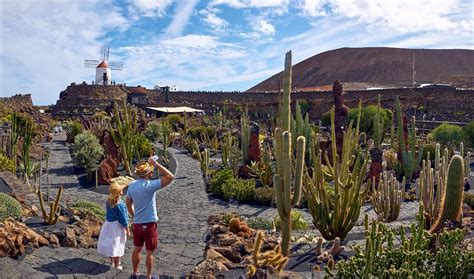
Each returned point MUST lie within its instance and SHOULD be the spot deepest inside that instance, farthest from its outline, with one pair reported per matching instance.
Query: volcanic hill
(379, 66)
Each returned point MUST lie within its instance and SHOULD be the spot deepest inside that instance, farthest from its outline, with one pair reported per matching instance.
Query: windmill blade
(91, 63)
(104, 53)
(114, 65)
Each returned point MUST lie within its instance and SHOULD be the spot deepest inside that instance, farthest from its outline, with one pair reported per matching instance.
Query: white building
(103, 75)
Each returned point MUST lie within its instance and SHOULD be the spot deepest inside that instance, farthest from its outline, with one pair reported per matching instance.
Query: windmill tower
(103, 74)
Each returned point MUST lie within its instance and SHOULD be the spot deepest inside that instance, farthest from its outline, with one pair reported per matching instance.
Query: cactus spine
(125, 123)
(54, 209)
(335, 218)
(452, 198)
(387, 199)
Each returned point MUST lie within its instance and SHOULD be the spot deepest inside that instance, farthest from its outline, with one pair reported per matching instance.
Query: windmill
(103, 75)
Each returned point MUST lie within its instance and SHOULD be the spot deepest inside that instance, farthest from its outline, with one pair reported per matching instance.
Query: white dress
(112, 239)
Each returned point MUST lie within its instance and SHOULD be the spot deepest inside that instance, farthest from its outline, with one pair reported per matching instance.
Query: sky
(206, 45)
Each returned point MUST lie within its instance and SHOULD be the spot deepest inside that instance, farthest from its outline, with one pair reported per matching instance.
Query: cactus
(54, 209)
(219, 120)
(226, 146)
(335, 218)
(272, 258)
(28, 168)
(451, 203)
(387, 199)
(125, 122)
(411, 158)
(282, 179)
(14, 135)
(378, 126)
(185, 125)
(245, 135)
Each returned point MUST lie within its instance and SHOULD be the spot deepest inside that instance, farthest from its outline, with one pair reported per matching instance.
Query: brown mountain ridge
(380, 66)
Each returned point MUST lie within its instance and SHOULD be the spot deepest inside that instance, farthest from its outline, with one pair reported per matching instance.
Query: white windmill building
(103, 73)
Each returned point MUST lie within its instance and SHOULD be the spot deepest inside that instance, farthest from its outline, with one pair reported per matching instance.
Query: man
(141, 204)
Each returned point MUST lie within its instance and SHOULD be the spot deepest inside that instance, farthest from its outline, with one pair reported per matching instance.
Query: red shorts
(145, 233)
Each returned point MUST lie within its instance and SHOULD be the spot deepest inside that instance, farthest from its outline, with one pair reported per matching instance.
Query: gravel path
(183, 209)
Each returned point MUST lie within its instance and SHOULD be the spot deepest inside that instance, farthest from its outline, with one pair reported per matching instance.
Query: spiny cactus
(14, 135)
(54, 208)
(411, 158)
(283, 179)
(245, 135)
(378, 126)
(387, 198)
(451, 203)
(336, 217)
(272, 258)
(122, 129)
(226, 145)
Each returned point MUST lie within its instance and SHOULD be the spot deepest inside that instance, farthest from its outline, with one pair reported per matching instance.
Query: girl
(114, 232)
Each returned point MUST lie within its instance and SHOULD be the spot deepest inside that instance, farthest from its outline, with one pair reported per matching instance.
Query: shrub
(201, 131)
(174, 120)
(6, 164)
(219, 179)
(264, 195)
(152, 131)
(89, 208)
(429, 148)
(366, 118)
(447, 134)
(142, 146)
(259, 223)
(469, 134)
(9, 207)
(297, 221)
(86, 151)
(239, 189)
(72, 128)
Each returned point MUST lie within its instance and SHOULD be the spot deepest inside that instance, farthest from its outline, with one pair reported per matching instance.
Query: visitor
(141, 203)
(114, 231)
(467, 186)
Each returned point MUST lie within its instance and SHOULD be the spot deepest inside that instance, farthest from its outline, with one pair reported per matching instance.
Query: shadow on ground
(74, 266)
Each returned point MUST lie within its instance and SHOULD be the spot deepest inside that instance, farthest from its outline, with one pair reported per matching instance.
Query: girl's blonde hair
(115, 190)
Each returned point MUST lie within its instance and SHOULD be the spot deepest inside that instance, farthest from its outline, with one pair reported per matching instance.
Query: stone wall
(443, 104)
(18, 102)
(84, 100)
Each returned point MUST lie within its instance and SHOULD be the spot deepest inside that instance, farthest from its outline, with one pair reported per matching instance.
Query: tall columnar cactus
(14, 135)
(387, 198)
(411, 158)
(245, 135)
(185, 125)
(122, 130)
(451, 203)
(54, 209)
(378, 126)
(282, 179)
(26, 165)
(219, 120)
(335, 217)
(226, 146)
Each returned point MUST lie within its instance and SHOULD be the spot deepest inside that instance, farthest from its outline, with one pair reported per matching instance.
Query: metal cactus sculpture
(122, 129)
(387, 198)
(336, 217)
(284, 180)
(451, 202)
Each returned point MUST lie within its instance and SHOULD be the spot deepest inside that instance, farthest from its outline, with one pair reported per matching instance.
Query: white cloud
(184, 10)
(43, 45)
(151, 8)
(210, 17)
(249, 3)
(263, 26)
(313, 8)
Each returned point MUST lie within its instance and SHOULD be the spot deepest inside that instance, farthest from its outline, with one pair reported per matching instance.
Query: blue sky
(206, 45)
